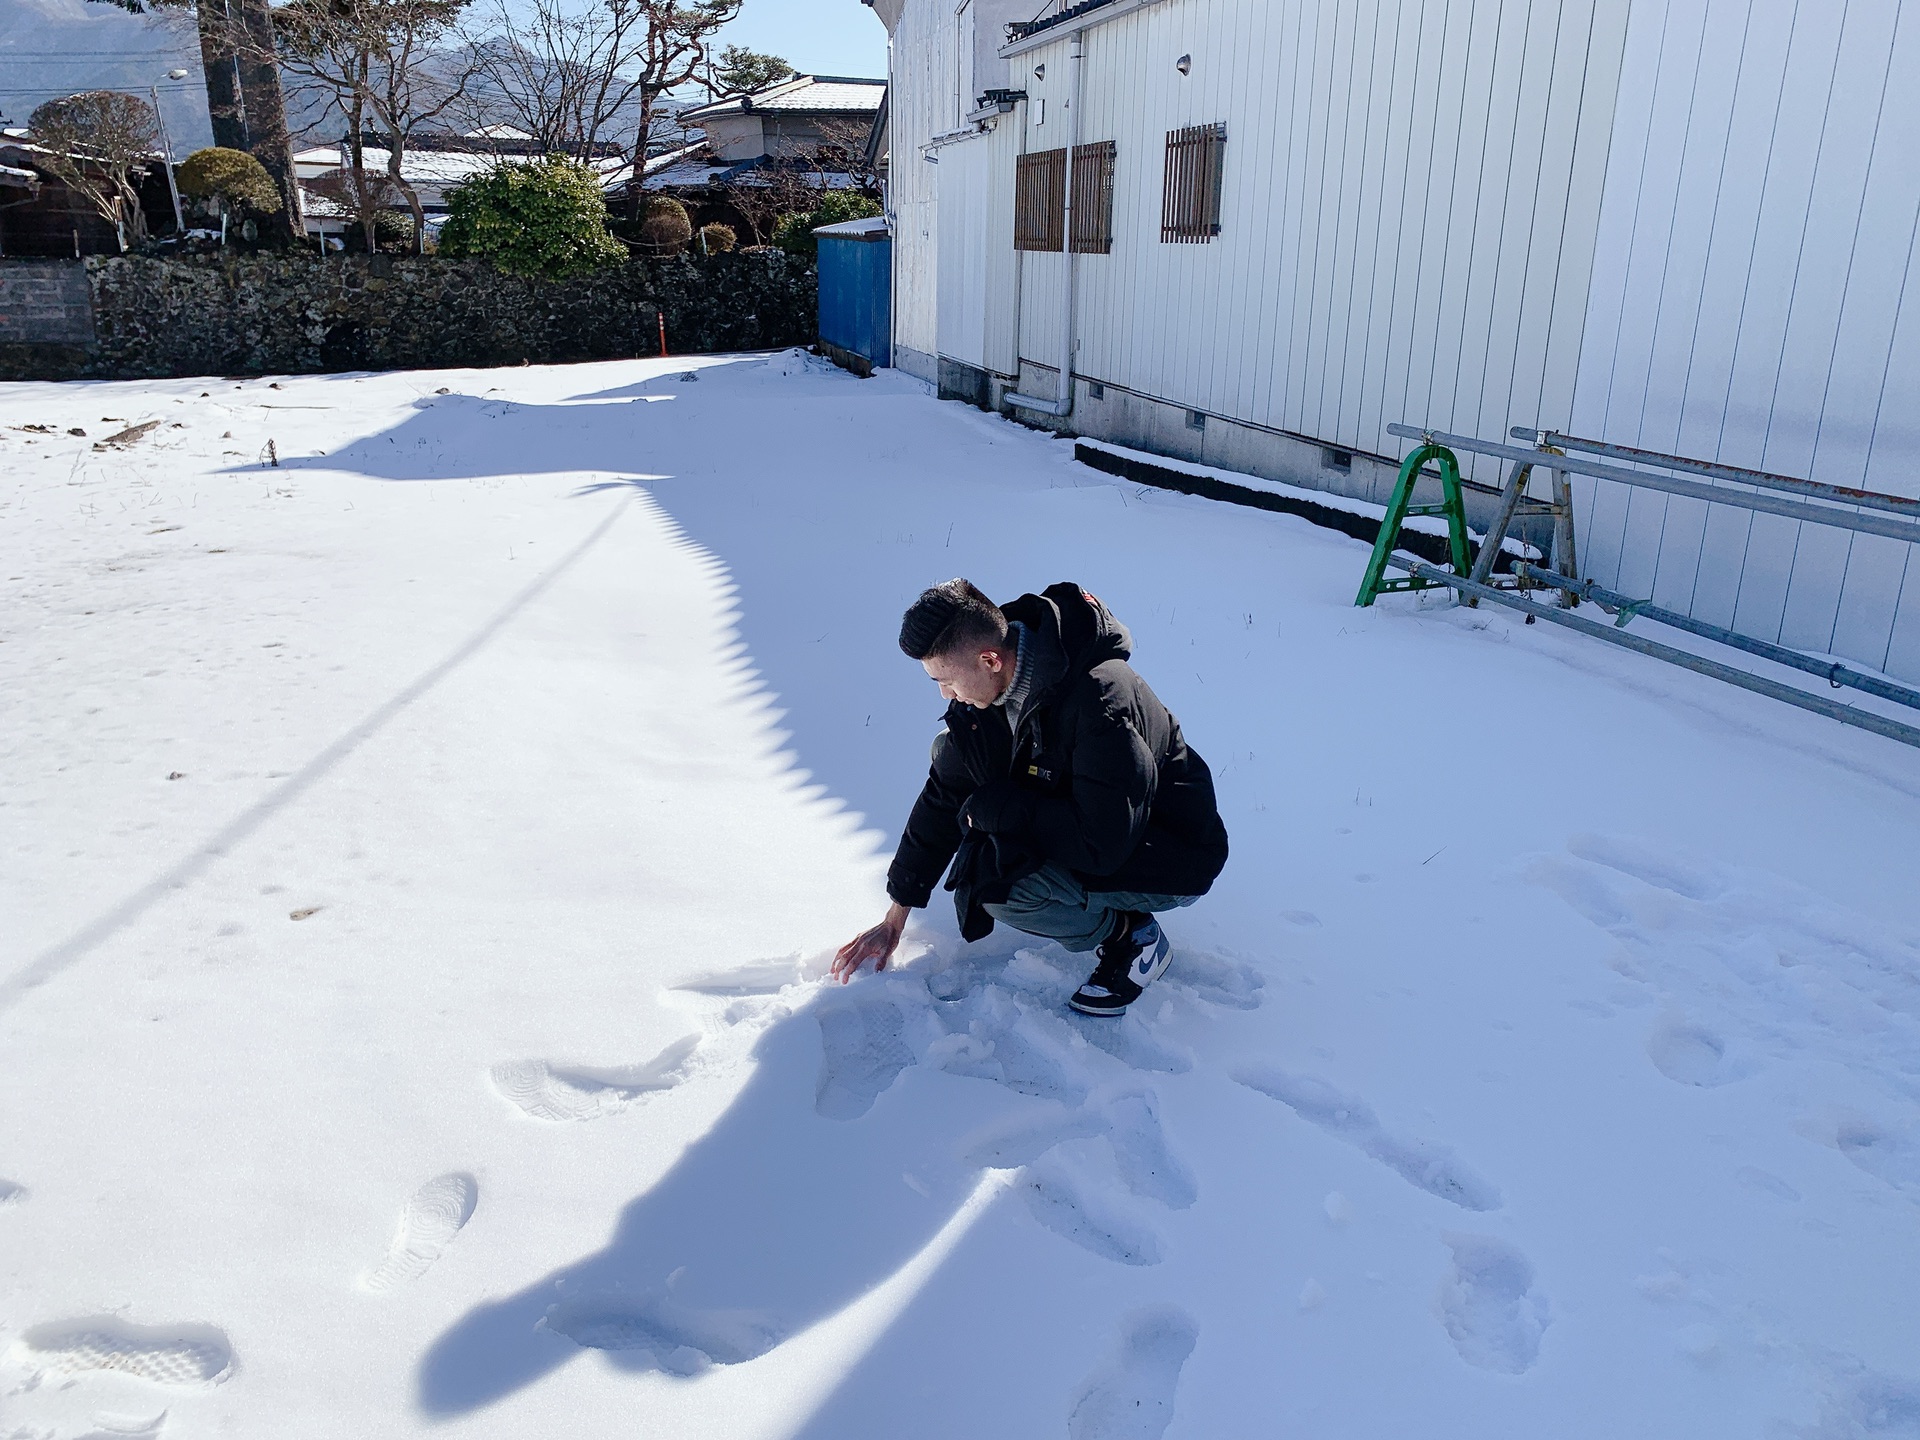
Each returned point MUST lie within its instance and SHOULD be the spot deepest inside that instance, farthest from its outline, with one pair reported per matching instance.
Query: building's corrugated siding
(1751, 303)
(1410, 205)
(921, 105)
(980, 266)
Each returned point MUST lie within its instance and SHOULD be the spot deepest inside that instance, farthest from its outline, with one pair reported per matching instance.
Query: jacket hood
(1083, 628)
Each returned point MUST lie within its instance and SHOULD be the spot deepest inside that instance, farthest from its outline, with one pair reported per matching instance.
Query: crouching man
(1061, 790)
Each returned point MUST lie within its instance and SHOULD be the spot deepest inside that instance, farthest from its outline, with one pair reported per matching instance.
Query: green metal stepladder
(1401, 506)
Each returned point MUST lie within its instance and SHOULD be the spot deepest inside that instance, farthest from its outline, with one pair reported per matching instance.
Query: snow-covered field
(421, 856)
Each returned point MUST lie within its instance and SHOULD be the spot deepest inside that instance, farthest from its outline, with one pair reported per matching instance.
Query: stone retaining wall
(128, 317)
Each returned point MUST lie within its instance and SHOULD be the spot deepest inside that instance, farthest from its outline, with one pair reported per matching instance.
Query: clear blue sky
(823, 37)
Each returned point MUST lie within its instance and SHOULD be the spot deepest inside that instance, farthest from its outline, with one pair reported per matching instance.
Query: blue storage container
(856, 293)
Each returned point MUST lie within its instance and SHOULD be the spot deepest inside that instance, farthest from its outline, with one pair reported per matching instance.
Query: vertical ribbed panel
(1752, 303)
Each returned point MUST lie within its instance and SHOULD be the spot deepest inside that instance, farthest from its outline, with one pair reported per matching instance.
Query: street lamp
(166, 149)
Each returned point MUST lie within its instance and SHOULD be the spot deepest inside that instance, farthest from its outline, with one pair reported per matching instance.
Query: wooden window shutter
(1039, 200)
(1040, 194)
(1190, 196)
(1093, 198)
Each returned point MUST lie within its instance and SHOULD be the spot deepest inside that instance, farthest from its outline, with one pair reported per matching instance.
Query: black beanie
(929, 618)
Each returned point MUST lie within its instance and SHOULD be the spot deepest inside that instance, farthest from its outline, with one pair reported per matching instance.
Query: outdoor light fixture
(1039, 72)
(166, 151)
(1184, 64)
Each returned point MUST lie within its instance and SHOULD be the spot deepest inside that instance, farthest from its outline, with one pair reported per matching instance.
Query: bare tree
(842, 151)
(576, 73)
(379, 61)
(96, 143)
(796, 173)
(364, 194)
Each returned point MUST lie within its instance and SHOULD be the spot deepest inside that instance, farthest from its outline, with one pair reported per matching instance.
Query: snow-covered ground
(421, 856)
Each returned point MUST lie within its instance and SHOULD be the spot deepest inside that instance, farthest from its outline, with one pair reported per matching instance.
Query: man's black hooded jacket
(1098, 780)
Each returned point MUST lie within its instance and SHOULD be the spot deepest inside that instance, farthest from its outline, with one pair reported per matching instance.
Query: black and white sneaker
(1131, 959)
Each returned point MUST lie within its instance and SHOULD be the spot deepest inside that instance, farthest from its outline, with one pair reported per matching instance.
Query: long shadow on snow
(774, 1219)
(777, 1217)
(832, 502)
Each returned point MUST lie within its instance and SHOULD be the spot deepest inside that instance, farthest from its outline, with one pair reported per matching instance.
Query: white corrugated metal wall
(920, 102)
(1683, 224)
(1751, 304)
(979, 266)
(1412, 191)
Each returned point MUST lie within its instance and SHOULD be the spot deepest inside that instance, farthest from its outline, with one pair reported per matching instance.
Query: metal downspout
(1062, 403)
(895, 247)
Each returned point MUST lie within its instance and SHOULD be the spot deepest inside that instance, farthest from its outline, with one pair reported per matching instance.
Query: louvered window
(1039, 199)
(1190, 197)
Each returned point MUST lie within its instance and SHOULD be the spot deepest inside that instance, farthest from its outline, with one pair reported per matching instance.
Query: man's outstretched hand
(877, 945)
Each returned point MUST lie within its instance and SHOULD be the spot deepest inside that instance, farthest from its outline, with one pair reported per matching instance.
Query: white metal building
(1686, 225)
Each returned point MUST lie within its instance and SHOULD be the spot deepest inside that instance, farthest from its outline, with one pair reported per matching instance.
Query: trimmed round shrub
(233, 178)
(393, 229)
(540, 217)
(718, 239)
(664, 226)
(794, 233)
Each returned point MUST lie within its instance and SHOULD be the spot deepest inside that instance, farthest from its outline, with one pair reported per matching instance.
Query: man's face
(976, 677)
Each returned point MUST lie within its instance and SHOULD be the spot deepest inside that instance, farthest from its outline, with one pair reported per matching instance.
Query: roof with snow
(802, 95)
(698, 169)
(871, 228)
(437, 168)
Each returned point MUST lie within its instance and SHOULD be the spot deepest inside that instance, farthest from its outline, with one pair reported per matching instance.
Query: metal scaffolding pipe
(1699, 664)
(1893, 529)
(1792, 485)
(1832, 671)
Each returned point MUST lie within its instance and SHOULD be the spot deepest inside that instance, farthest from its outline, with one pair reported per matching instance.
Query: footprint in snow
(1216, 979)
(549, 1091)
(1004, 1021)
(1745, 951)
(127, 1427)
(175, 1355)
(1489, 1306)
(1764, 1182)
(435, 1213)
(1883, 1152)
(1132, 1397)
(671, 1336)
(11, 1194)
(1859, 1402)
(1690, 1054)
(1140, 1151)
(1061, 1181)
(1649, 866)
(762, 977)
(864, 1045)
(1095, 1219)
(1025, 1140)
(1428, 1167)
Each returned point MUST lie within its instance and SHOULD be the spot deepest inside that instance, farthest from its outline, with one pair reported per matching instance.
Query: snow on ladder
(1513, 504)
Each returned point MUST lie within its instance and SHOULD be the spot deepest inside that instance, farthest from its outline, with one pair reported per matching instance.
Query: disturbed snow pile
(429, 801)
